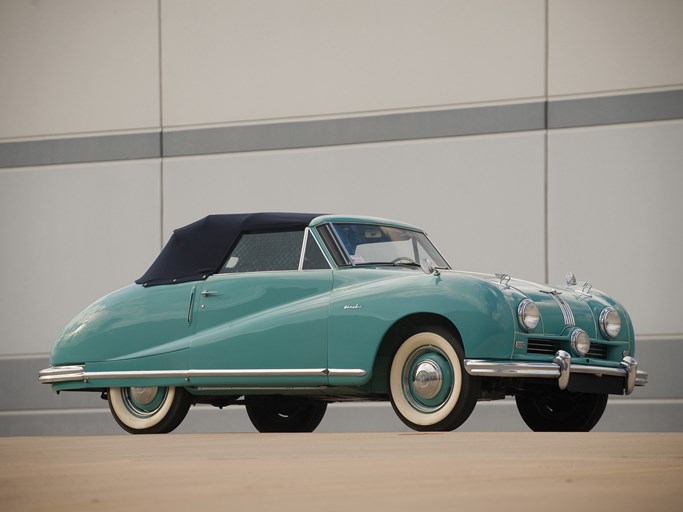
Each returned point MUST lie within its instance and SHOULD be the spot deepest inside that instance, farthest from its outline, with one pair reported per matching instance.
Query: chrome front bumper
(560, 368)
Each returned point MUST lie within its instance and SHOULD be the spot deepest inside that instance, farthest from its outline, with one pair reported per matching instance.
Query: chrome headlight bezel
(528, 315)
(580, 341)
(610, 323)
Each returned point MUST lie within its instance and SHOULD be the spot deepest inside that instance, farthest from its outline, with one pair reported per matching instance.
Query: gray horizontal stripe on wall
(101, 148)
(608, 110)
(357, 130)
(628, 108)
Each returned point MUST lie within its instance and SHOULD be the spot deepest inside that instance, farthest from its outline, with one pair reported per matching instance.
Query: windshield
(371, 244)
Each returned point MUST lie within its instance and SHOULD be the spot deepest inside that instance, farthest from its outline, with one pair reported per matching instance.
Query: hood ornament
(570, 278)
(504, 280)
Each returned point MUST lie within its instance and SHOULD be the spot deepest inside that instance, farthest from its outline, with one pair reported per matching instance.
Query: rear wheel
(428, 385)
(277, 413)
(561, 411)
(149, 410)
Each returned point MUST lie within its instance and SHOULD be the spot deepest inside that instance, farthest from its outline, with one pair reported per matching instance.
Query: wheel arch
(399, 331)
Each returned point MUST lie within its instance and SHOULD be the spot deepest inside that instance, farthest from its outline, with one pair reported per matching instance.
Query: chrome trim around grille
(56, 374)
(561, 369)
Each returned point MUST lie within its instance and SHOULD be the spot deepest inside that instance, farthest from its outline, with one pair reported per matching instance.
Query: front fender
(366, 303)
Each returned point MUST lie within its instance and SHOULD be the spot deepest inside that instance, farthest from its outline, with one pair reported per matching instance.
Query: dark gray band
(357, 130)
(79, 150)
(631, 108)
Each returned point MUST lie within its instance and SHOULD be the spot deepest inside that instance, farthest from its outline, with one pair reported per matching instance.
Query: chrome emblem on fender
(353, 306)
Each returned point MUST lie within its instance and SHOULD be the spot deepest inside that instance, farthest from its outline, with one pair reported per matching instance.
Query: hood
(562, 307)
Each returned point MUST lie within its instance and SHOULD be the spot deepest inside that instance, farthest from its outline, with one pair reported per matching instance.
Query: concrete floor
(344, 471)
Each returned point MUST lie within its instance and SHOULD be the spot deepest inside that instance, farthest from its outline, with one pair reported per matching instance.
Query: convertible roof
(199, 249)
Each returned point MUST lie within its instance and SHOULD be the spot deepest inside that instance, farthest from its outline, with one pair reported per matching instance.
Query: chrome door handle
(209, 293)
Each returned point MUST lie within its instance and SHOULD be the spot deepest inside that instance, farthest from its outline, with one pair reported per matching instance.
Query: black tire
(149, 410)
(561, 411)
(277, 413)
(429, 388)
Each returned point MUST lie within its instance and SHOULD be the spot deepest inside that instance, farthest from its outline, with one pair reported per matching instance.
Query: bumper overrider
(560, 368)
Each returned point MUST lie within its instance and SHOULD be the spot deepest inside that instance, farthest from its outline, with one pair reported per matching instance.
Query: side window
(314, 259)
(257, 252)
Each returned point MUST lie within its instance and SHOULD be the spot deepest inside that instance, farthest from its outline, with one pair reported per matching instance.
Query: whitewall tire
(428, 385)
(149, 410)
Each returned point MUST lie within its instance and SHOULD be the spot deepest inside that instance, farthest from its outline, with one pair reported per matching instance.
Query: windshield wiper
(392, 263)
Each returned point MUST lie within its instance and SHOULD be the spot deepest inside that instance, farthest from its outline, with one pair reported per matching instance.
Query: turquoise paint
(312, 319)
(130, 323)
(263, 320)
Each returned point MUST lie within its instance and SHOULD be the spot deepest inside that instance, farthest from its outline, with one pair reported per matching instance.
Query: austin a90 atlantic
(285, 313)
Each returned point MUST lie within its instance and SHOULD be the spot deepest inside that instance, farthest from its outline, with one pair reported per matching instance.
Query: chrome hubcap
(427, 379)
(144, 402)
(143, 396)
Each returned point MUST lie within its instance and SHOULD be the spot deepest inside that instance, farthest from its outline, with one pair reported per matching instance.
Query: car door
(263, 318)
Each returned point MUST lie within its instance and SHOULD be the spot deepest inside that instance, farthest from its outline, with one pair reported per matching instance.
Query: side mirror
(428, 268)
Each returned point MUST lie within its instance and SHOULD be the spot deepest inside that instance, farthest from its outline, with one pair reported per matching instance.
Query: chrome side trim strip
(77, 373)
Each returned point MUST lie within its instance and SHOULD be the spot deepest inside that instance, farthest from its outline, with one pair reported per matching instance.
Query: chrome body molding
(560, 368)
(56, 374)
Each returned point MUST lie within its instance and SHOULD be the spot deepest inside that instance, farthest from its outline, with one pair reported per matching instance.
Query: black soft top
(199, 249)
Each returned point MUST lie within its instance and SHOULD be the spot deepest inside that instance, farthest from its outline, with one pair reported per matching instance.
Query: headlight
(610, 323)
(528, 315)
(581, 343)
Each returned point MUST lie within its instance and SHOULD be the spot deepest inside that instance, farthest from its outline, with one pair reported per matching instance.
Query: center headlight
(581, 343)
(528, 315)
(610, 323)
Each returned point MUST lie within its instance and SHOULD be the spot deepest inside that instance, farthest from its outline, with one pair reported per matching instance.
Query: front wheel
(149, 410)
(428, 385)
(561, 411)
(276, 413)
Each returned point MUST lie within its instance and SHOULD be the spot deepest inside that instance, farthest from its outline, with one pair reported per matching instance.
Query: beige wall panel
(78, 66)
(479, 198)
(615, 215)
(236, 60)
(70, 235)
(603, 45)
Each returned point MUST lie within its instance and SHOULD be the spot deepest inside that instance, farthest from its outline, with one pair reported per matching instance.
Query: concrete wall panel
(70, 235)
(237, 60)
(615, 216)
(479, 198)
(78, 66)
(615, 45)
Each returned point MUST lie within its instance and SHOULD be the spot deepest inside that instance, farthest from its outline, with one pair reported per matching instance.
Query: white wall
(69, 235)
(458, 189)
(615, 215)
(242, 60)
(614, 45)
(77, 66)
(607, 194)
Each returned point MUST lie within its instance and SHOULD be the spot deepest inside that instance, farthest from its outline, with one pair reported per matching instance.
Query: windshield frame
(418, 238)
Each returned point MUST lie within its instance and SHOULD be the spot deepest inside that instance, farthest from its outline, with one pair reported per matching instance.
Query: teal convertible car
(285, 313)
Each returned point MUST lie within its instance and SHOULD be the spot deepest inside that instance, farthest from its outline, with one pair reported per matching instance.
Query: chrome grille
(543, 346)
(550, 347)
(597, 352)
